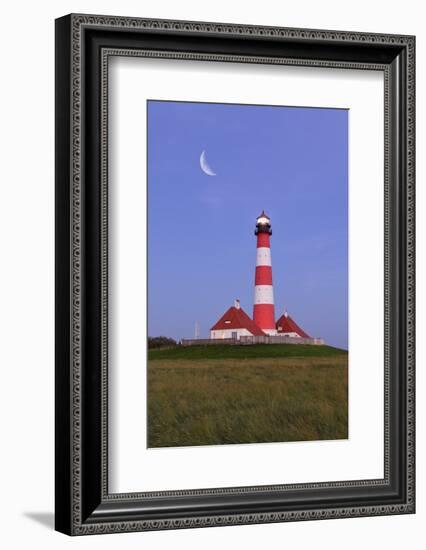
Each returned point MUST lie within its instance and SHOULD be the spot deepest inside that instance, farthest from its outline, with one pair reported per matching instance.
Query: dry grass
(223, 401)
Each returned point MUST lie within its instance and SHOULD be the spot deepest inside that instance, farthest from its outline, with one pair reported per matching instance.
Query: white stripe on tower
(263, 309)
(263, 294)
(263, 256)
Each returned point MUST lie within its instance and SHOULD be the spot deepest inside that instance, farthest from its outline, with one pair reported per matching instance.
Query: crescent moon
(205, 165)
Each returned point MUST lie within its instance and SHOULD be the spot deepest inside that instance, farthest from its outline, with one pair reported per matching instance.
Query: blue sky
(290, 161)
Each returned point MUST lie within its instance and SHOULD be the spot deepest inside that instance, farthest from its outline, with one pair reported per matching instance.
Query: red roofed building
(287, 327)
(234, 324)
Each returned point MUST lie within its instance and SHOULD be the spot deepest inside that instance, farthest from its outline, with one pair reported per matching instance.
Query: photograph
(247, 259)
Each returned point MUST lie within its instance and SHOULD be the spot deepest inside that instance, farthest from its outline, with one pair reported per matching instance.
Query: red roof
(237, 318)
(288, 325)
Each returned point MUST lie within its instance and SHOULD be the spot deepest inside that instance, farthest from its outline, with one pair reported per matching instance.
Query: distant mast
(263, 309)
(197, 330)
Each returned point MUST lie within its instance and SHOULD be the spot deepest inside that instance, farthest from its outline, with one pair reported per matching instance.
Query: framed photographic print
(234, 274)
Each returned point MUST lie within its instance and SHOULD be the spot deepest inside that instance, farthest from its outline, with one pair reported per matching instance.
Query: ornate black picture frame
(84, 44)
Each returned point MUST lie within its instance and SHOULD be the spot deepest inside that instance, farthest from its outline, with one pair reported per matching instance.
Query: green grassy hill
(244, 352)
(213, 395)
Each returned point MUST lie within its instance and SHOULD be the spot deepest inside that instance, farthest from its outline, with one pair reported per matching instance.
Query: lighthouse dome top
(263, 224)
(263, 219)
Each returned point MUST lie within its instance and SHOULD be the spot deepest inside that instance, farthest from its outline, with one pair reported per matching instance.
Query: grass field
(216, 395)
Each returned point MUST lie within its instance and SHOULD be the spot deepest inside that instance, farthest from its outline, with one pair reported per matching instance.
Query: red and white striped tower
(263, 309)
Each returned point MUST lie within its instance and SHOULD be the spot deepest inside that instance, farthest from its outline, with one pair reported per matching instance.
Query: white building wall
(270, 331)
(292, 334)
(229, 333)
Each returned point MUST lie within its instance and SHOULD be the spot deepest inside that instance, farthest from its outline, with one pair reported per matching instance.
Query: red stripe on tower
(263, 275)
(263, 309)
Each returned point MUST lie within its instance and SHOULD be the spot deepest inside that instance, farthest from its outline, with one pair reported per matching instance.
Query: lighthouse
(235, 326)
(263, 309)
